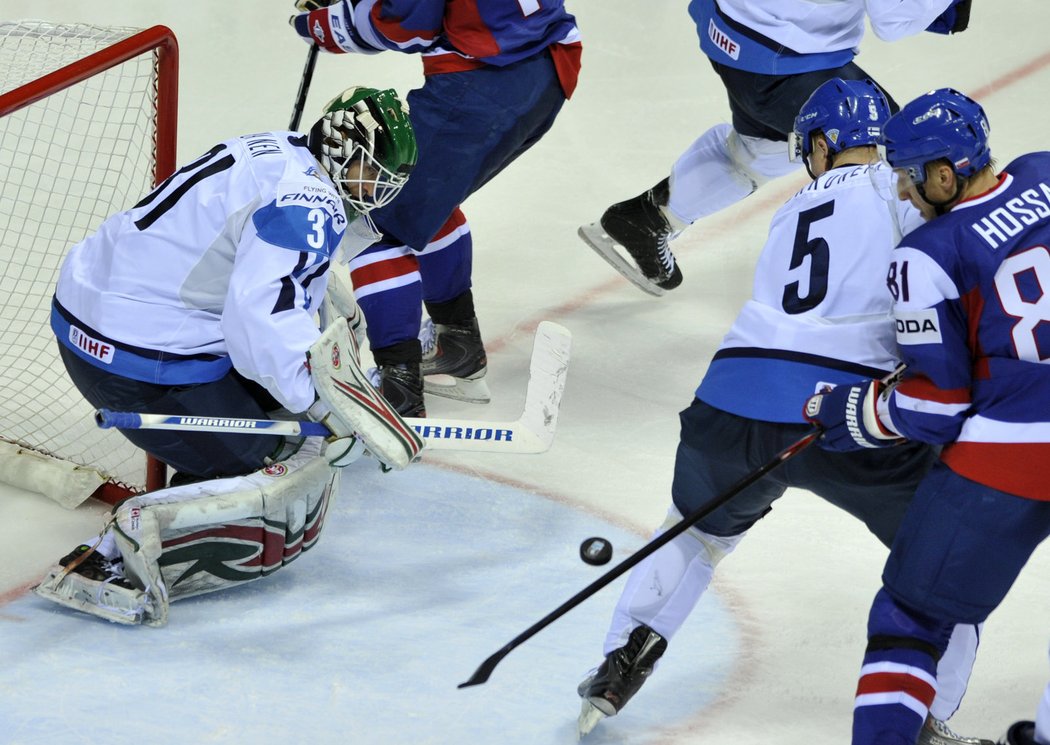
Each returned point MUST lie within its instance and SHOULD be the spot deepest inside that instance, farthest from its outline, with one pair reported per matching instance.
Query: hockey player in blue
(819, 313)
(972, 311)
(496, 74)
(770, 55)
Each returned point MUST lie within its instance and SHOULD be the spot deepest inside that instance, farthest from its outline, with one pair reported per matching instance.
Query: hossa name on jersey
(972, 305)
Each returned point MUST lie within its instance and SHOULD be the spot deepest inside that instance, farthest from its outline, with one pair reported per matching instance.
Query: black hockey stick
(484, 670)
(304, 87)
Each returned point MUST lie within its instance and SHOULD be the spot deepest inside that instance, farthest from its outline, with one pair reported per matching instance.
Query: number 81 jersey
(223, 265)
(972, 311)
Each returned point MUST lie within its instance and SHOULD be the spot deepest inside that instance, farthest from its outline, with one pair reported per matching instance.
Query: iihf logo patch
(276, 470)
(336, 359)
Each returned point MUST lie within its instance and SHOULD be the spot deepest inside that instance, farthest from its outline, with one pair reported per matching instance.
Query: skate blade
(590, 715)
(459, 389)
(604, 246)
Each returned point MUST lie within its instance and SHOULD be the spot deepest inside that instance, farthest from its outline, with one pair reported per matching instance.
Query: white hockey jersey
(223, 265)
(788, 37)
(812, 26)
(820, 312)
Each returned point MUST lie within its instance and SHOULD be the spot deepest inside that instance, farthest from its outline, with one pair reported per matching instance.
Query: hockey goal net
(87, 125)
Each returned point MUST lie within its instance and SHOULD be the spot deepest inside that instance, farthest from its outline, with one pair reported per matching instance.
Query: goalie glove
(848, 415)
(350, 406)
(954, 19)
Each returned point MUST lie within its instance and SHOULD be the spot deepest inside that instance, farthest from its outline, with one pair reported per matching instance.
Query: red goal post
(87, 125)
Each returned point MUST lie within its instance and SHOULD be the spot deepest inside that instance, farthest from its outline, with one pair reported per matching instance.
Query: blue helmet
(940, 124)
(850, 113)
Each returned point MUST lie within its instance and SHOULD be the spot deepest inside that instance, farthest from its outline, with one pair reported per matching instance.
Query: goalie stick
(595, 237)
(304, 88)
(532, 432)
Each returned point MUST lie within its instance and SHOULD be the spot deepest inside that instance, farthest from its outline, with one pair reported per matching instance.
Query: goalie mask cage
(87, 126)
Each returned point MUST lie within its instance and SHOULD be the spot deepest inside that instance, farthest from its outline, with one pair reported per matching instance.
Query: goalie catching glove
(849, 416)
(350, 406)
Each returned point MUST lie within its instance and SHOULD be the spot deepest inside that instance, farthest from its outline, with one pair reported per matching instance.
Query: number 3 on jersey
(316, 238)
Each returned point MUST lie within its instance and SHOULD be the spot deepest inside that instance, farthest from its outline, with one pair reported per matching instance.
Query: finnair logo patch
(918, 327)
(90, 346)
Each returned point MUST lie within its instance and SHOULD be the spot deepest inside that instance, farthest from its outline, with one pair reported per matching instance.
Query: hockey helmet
(366, 143)
(941, 124)
(850, 113)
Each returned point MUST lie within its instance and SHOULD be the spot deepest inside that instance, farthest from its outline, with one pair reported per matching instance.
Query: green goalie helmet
(366, 144)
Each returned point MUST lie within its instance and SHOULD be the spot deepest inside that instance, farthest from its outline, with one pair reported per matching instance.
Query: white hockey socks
(722, 167)
(663, 589)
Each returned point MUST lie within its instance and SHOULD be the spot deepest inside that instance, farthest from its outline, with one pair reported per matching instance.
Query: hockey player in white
(203, 299)
(771, 55)
(819, 314)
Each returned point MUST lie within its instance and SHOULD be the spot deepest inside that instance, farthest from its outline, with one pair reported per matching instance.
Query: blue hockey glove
(847, 414)
(953, 20)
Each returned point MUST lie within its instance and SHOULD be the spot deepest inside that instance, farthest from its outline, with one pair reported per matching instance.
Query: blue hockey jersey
(972, 310)
(452, 35)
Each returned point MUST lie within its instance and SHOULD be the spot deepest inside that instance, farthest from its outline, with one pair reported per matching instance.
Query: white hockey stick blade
(607, 248)
(589, 717)
(533, 431)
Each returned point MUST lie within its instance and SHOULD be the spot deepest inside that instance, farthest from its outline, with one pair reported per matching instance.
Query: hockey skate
(1020, 733)
(402, 386)
(936, 732)
(454, 362)
(608, 689)
(84, 578)
(639, 227)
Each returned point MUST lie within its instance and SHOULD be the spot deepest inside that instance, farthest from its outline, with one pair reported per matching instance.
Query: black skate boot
(640, 227)
(94, 566)
(936, 732)
(1020, 733)
(606, 691)
(401, 385)
(455, 350)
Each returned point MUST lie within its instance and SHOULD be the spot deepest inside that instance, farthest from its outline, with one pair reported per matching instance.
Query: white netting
(67, 162)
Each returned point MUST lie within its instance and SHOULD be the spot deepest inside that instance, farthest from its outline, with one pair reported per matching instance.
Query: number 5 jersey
(820, 311)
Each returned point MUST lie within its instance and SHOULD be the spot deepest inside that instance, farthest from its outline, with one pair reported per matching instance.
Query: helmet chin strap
(942, 207)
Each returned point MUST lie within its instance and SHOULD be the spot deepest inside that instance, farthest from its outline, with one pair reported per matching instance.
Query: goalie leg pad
(207, 536)
(354, 406)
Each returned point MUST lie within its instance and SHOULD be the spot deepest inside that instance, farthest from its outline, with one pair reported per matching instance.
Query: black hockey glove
(953, 20)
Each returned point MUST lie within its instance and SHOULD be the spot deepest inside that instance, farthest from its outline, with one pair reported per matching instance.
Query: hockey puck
(596, 551)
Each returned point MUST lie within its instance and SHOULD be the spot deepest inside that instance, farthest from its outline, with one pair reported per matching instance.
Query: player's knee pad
(207, 536)
(893, 627)
(759, 159)
(710, 548)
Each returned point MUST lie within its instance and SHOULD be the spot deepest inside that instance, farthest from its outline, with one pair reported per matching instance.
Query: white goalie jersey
(820, 311)
(223, 265)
